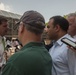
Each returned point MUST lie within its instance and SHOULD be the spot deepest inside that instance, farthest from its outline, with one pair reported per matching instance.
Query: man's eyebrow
(48, 26)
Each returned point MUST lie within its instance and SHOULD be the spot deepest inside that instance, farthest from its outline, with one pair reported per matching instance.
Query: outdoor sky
(47, 8)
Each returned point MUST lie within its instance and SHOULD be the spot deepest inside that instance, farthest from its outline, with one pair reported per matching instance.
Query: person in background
(8, 42)
(47, 42)
(72, 52)
(56, 30)
(33, 58)
(3, 31)
(72, 24)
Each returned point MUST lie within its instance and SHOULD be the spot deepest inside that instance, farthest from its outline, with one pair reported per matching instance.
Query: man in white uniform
(3, 31)
(56, 30)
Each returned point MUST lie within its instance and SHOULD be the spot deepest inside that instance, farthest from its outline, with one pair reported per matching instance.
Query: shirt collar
(31, 44)
(60, 42)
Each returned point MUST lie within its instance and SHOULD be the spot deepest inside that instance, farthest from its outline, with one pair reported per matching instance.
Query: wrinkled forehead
(71, 18)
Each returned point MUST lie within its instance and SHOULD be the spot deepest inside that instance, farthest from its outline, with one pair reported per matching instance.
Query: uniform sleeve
(10, 69)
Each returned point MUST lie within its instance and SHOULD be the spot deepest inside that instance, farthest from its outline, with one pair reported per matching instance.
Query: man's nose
(45, 29)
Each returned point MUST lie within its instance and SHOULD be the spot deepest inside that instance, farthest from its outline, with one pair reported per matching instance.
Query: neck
(30, 38)
(61, 34)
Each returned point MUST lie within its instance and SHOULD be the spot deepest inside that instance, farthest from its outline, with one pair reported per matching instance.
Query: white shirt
(60, 58)
(2, 59)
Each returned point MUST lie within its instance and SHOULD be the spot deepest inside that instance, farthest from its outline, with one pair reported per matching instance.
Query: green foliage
(46, 23)
(65, 16)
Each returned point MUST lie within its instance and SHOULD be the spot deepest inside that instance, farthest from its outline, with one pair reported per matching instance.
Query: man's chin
(3, 35)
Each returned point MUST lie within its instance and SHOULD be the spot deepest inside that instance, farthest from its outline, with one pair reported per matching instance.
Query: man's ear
(21, 29)
(57, 28)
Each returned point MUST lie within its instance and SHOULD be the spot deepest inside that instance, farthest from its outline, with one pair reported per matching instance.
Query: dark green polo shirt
(32, 59)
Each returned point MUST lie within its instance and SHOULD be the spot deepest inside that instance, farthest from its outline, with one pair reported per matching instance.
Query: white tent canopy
(9, 14)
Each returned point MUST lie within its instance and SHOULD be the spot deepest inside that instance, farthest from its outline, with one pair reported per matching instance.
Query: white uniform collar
(60, 42)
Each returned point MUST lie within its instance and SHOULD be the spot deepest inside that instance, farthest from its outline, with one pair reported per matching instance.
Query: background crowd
(31, 53)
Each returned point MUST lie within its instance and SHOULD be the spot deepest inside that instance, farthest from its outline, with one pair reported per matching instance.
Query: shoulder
(30, 56)
(30, 60)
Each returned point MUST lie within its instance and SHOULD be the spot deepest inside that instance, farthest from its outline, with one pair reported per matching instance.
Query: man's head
(31, 22)
(57, 27)
(72, 24)
(3, 25)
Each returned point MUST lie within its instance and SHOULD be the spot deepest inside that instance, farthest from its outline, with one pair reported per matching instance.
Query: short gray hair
(71, 14)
